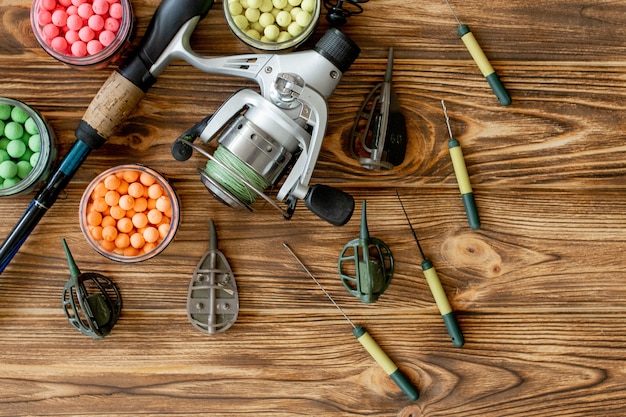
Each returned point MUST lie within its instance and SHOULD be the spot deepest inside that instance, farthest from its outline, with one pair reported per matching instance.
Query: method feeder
(213, 300)
(91, 301)
(366, 265)
(378, 137)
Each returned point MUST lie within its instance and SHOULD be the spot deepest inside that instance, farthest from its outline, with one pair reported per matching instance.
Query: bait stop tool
(91, 301)
(213, 300)
(366, 264)
(368, 342)
(279, 132)
(378, 137)
(439, 294)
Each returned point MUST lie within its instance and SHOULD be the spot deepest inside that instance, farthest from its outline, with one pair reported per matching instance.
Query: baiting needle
(481, 60)
(430, 273)
(401, 380)
(462, 177)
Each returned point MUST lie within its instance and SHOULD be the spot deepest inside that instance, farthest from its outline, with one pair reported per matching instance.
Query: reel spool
(213, 300)
(366, 265)
(263, 138)
(379, 133)
(91, 302)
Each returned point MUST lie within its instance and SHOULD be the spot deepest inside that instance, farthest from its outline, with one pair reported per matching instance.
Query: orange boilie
(128, 213)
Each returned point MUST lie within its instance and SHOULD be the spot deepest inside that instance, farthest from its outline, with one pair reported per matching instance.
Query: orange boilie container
(129, 213)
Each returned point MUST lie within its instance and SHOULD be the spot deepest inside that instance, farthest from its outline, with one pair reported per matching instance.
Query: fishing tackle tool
(366, 265)
(91, 301)
(213, 300)
(378, 137)
(367, 341)
(279, 132)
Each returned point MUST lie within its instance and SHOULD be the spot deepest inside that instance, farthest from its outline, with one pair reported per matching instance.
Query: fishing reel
(366, 265)
(91, 301)
(263, 138)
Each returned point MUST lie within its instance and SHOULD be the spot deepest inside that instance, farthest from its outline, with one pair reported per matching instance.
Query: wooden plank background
(540, 289)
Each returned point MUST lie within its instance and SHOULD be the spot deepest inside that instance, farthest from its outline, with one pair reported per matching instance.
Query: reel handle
(330, 204)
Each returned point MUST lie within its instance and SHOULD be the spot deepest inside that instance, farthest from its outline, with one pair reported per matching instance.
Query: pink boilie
(116, 11)
(94, 46)
(86, 34)
(59, 17)
(85, 10)
(111, 24)
(79, 48)
(106, 37)
(44, 17)
(74, 22)
(100, 7)
(59, 44)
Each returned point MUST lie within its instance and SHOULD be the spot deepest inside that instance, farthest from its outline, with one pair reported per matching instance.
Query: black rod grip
(168, 18)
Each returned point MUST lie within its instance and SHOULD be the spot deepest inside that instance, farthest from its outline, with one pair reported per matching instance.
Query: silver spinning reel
(279, 132)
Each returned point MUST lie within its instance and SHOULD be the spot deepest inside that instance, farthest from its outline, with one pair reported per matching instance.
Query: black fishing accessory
(366, 264)
(337, 12)
(379, 132)
(91, 302)
(213, 300)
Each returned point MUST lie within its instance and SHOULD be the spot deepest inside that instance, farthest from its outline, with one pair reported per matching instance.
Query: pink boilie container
(83, 34)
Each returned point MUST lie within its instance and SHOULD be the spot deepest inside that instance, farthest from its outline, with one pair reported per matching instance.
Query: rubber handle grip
(454, 330)
(498, 88)
(471, 211)
(330, 204)
(386, 363)
(167, 20)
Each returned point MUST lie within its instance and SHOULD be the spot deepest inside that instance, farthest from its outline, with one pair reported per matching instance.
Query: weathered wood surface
(540, 289)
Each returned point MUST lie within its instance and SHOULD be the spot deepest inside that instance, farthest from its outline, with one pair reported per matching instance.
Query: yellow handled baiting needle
(481, 60)
(441, 299)
(462, 177)
(401, 380)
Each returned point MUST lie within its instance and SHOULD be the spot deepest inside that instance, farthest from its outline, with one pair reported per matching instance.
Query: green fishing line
(229, 181)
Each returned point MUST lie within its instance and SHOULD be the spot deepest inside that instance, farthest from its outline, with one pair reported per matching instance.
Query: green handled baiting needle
(481, 60)
(430, 273)
(401, 380)
(462, 177)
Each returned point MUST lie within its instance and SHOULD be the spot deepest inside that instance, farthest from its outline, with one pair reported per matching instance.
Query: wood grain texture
(539, 290)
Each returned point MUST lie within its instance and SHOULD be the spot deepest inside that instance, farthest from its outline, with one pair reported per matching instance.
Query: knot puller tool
(213, 300)
(462, 177)
(396, 375)
(441, 299)
(378, 137)
(366, 264)
(481, 60)
(91, 301)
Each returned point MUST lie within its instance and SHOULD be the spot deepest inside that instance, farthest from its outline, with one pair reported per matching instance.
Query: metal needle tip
(319, 284)
(452, 10)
